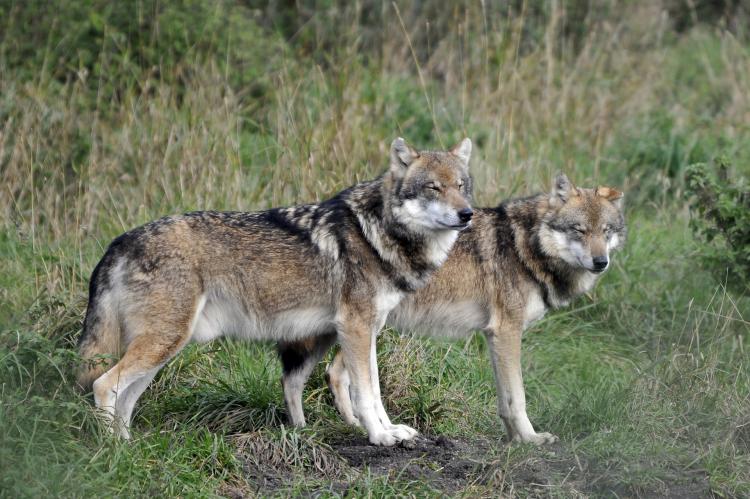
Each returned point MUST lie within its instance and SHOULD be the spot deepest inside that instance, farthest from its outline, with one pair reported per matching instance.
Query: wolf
(515, 262)
(331, 271)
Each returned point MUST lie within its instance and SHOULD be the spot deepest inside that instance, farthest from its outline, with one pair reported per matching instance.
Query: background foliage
(115, 113)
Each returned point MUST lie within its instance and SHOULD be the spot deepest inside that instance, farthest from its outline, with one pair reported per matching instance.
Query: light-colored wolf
(334, 269)
(517, 261)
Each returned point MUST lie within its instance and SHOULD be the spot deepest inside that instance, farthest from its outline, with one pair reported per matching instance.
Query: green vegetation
(112, 114)
(722, 220)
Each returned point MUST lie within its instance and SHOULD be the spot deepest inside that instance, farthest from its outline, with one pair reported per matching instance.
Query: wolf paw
(393, 435)
(404, 432)
(542, 438)
(384, 439)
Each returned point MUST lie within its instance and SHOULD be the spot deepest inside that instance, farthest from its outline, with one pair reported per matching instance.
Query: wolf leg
(505, 350)
(298, 361)
(158, 335)
(403, 431)
(125, 403)
(355, 336)
(117, 391)
(339, 382)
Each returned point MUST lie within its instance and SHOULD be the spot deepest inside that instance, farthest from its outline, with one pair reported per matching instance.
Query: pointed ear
(462, 151)
(610, 194)
(562, 190)
(401, 156)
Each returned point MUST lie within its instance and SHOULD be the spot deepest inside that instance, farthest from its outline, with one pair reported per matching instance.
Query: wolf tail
(100, 339)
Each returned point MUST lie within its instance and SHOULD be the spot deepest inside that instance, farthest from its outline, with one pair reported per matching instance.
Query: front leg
(339, 382)
(404, 431)
(505, 350)
(355, 336)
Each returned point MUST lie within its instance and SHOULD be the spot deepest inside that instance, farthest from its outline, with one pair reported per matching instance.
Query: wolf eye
(578, 229)
(432, 185)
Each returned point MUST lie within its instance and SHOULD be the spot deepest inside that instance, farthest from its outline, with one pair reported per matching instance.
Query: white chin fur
(436, 216)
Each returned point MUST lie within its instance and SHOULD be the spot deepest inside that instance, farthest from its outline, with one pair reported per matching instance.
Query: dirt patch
(449, 465)
(692, 483)
(446, 464)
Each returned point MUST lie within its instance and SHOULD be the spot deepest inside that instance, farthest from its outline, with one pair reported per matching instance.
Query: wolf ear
(462, 151)
(610, 194)
(562, 190)
(401, 156)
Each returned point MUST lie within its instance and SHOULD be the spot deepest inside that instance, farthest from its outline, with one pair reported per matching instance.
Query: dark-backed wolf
(332, 270)
(517, 261)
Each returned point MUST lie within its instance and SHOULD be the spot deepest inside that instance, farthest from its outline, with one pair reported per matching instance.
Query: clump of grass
(286, 451)
(234, 388)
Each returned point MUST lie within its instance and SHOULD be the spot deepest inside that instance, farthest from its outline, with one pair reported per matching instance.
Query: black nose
(600, 262)
(465, 215)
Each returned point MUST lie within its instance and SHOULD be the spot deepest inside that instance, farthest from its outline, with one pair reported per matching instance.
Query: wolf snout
(465, 215)
(600, 263)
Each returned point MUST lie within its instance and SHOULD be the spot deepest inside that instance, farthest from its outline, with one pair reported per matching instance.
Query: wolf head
(583, 226)
(432, 189)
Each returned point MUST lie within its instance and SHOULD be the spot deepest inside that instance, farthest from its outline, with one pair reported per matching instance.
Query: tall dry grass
(531, 108)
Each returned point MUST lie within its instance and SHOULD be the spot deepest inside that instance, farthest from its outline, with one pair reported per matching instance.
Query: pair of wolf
(406, 248)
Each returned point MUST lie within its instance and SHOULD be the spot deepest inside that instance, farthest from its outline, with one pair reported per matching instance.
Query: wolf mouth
(458, 227)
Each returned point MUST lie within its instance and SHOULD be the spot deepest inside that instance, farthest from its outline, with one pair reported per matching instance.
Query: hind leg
(163, 333)
(118, 403)
(117, 391)
(299, 359)
(125, 404)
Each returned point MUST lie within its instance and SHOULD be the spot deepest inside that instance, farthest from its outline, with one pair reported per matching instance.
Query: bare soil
(446, 464)
(453, 465)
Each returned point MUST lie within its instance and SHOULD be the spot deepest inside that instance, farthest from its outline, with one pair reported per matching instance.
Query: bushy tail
(100, 341)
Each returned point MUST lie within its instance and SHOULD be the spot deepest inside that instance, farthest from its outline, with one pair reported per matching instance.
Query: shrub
(721, 219)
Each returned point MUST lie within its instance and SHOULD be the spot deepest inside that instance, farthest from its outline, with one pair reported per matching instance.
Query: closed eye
(433, 186)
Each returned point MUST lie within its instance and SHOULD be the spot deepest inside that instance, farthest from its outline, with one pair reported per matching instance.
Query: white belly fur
(449, 319)
(224, 317)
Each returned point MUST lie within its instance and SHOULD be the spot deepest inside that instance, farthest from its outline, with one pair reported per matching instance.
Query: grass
(647, 381)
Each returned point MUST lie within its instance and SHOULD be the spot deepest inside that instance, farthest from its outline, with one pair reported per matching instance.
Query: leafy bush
(721, 218)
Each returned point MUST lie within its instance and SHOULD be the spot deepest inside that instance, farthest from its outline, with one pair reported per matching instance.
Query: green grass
(646, 381)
